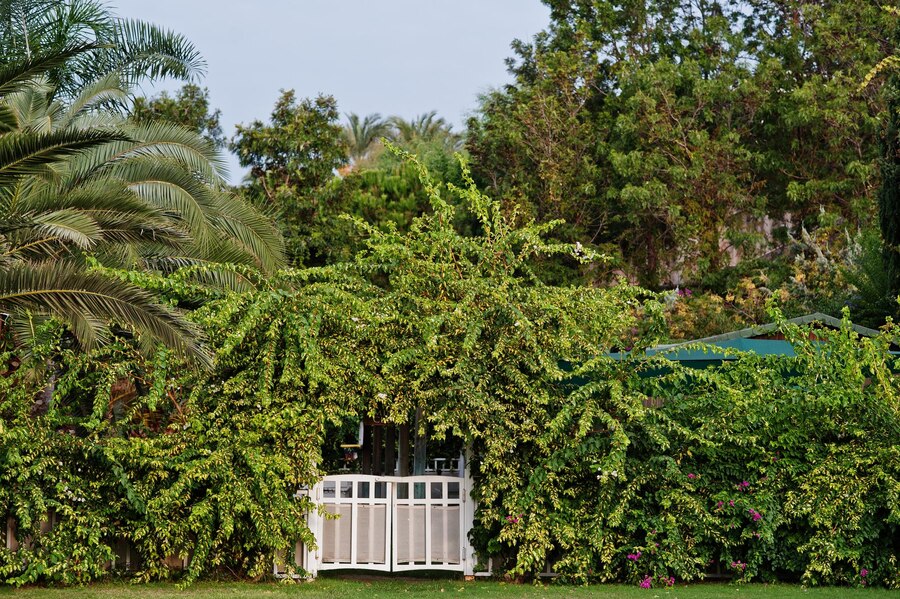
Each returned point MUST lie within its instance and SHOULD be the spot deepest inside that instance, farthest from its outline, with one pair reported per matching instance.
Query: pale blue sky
(402, 57)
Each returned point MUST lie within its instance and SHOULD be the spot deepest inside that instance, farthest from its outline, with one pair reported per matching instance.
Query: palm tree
(77, 179)
(133, 50)
(363, 134)
(427, 128)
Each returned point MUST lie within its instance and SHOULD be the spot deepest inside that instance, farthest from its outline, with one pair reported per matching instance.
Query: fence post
(11, 542)
(468, 514)
(311, 556)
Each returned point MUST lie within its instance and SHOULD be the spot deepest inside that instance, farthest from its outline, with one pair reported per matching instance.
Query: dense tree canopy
(189, 107)
(688, 134)
(291, 159)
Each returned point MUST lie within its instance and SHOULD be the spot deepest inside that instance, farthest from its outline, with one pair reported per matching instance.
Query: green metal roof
(742, 340)
(763, 329)
(763, 347)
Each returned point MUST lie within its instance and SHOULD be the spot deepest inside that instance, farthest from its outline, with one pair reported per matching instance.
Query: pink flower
(756, 515)
(634, 556)
(739, 565)
(692, 476)
(731, 503)
(667, 580)
(646, 583)
(720, 504)
(512, 519)
(863, 573)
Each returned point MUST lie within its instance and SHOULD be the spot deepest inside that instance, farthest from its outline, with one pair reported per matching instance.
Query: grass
(372, 588)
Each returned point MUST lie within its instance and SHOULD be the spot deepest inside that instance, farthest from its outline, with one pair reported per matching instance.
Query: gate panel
(359, 537)
(428, 524)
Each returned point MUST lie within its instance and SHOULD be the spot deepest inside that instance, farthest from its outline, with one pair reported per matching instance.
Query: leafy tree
(188, 108)
(292, 158)
(687, 135)
(889, 192)
(300, 148)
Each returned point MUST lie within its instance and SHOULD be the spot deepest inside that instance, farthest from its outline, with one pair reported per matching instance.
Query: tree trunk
(419, 453)
(404, 450)
(889, 194)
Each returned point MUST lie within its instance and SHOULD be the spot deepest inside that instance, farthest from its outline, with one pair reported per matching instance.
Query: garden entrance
(390, 524)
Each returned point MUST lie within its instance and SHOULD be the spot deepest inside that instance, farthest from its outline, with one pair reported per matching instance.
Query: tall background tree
(189, 108)
(889, 193)
(696, 141)
(292, 158)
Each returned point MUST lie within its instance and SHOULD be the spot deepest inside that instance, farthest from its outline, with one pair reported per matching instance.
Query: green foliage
(588, 455)
(133, 51)
(207, 465)
(121, 452)
(188, 108)
(682, 134)
(300, 148)
(767, 468)
(76, 178)
(310, 172)
(292, 159)
(889, 192)
(48, 219)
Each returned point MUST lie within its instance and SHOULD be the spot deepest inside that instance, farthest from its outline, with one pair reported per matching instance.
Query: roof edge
(773, 326)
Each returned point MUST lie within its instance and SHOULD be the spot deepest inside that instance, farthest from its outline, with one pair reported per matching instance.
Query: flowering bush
(206, 467)
(767, 467)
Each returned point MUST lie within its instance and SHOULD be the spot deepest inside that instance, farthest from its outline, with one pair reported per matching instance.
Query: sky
(394, 57)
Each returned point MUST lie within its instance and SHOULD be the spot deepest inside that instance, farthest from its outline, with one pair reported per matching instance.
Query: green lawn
(331, 588)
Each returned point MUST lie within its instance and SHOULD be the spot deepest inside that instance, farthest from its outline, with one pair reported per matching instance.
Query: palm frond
(71, 226)
(23, 153)
(256, 235)
(102, 92)
(8, 120)
(110, 213)
(157, 141)
(222, 276)
(30, 106)
(363, 134)
(167, 186)
(14, 74)
(143, 50)
(62, 290)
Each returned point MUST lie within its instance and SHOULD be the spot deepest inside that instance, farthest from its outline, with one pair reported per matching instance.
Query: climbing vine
(588, 456)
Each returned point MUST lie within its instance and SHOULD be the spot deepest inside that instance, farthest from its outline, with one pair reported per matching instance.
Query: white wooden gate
(391, 523)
